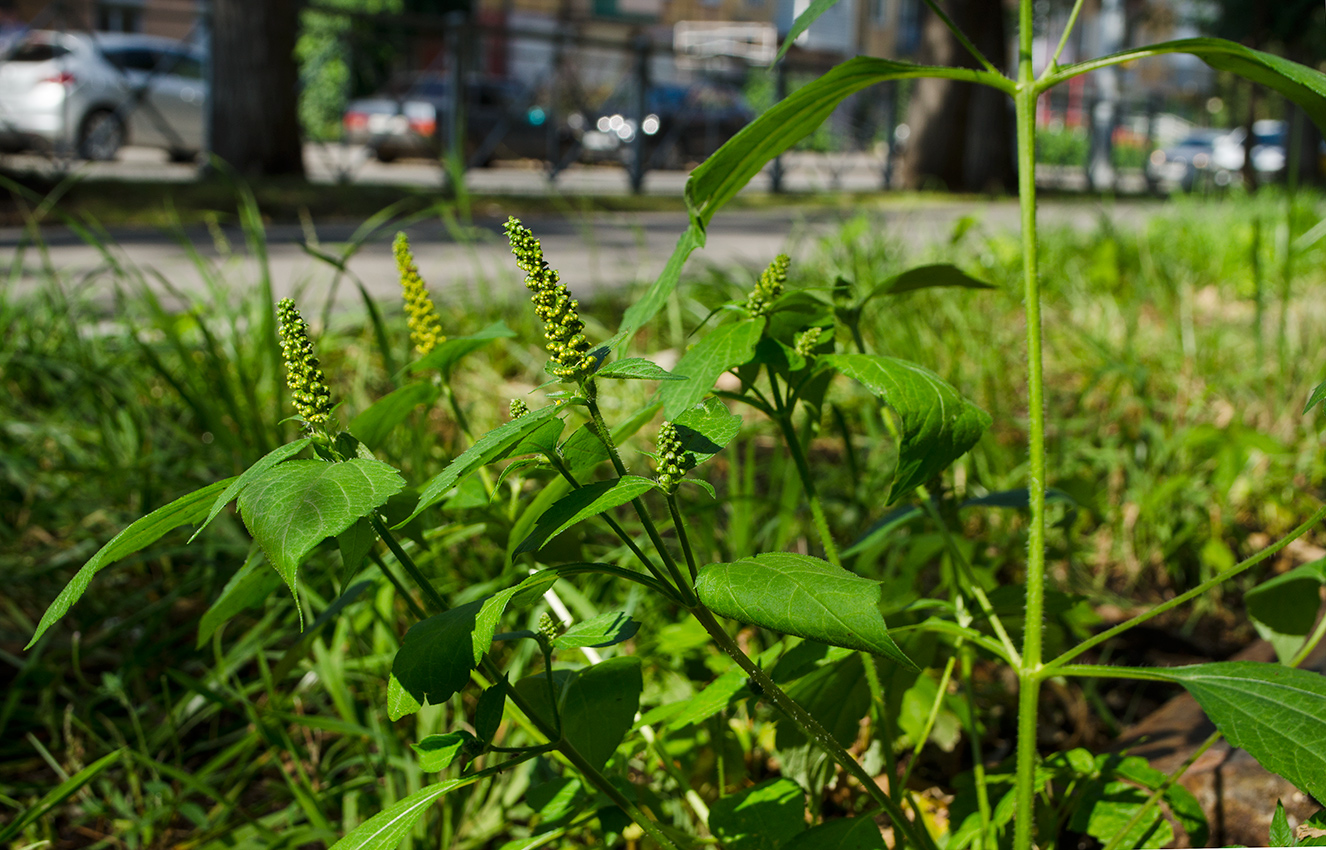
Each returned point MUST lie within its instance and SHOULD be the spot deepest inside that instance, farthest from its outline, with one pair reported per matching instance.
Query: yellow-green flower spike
(670, 462)
(518, 408)
(308, 386)
(553, 304)
(425, 325)
(769, 287)
(806, 342)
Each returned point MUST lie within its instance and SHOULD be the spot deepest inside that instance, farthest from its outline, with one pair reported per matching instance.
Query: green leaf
(486, 449)
(938, 425)
(837, 695)
(434, 661)
(721, 349)
(355, 543)
(488, 712)
(1281, 835)
(656, 296)
(437, 752)
(58, 795)
(705, 429)
(388, 828)
(1317, 397)
(590, 500)
(374, 425)
(249, 475)
(1106, 807)
(295, 506)
(598, 706)
(444, 358)
(583, 450)
(1284, 608)
(1276, 713)
(718, 179)
(248, 588)
(760, 818)
(603, 630)
(803, 596)
(927, 277)
(716, 696)
(542, 440)
(637, 368)
(492, 608)
(142, 532)
(802, 23)
(842, 834)
(1300, 84)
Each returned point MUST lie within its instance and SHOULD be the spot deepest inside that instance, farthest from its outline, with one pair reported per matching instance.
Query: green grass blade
(59, 794)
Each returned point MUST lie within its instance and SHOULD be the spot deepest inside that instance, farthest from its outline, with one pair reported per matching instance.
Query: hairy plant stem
(962, 37)
(783, 416)
(604, 434)
(1063, 39)
(562, 470)
(915, 832)
(930, 719)
(554, 736)
(1029, 679)
(1054, 667)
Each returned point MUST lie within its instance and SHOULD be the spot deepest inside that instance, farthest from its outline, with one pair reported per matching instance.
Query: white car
(88, 94)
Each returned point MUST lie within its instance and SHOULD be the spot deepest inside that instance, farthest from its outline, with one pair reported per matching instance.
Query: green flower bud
(308, 386)
(518, 408)
(769, 287)
(671, 464)
(806, 341)
(553, 304)
(425, 325)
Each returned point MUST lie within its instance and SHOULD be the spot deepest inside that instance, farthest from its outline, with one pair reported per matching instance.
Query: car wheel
(101, 136)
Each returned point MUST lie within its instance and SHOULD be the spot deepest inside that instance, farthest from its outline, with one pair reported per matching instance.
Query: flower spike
(769, 287)
(308, 386)
(553, 304)
(425, 325)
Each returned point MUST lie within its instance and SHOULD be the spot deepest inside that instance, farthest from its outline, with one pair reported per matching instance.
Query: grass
(1176, 442)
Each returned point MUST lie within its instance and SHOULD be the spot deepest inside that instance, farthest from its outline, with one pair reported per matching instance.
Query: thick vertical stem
(1029, 670)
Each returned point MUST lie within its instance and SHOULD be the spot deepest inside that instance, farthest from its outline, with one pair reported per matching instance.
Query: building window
(879, 12)
(123, 16)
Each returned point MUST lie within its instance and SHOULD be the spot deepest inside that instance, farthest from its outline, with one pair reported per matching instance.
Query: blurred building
(170, 18)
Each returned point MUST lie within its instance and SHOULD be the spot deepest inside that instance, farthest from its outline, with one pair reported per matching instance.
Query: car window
(184, 65)
(37, 51)
(132, 58)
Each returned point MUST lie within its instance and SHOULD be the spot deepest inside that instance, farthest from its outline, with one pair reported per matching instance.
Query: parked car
(89, 94)
(1217, 155)
(409, 118)
(681, 124)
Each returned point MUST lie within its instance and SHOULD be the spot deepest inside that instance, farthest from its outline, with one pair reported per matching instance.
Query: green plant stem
(1063, 39)
(929, 720)
(972, 587)
(915, 833)
(1157, 794)
(1109, 671)
(962, 37)
(682, 538)
(1310, 644)
(604, 434)
(783, 416)
(562, 470)
(1024, 101)
(1053, 667)
(977, 760)
(434, 600)
(401, 589)
(660, 587)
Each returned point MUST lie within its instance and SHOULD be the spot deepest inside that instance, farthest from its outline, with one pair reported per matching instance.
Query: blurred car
(409, 118)
(89, 94)
(1218, 155)
(681, 124)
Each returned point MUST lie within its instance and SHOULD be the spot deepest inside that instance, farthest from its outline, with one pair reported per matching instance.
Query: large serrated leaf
(486, 449)
(603, 630)
(388, 828)
(492, 608)
(705, 429)
(145, 531)
(434, 660)
(374, 425)
(588, 501)
(637, 368)
(248, 476)
(598, 705)
(1284, 608)
(1276, 713)
(296, 505)
(938, 425)
(723, 348)
(803, 596)
(762, 817)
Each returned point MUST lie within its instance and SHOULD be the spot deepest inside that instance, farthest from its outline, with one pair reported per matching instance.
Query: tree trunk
(961, 134)
(254, 92)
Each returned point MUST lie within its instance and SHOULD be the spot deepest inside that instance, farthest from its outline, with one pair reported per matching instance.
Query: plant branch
(1154, 799)
(401, 589)
(1200, 589)
(1063, 40)
(914, 832)
(962, 38)
(681, 537)
(434, 600)
(783, 416)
